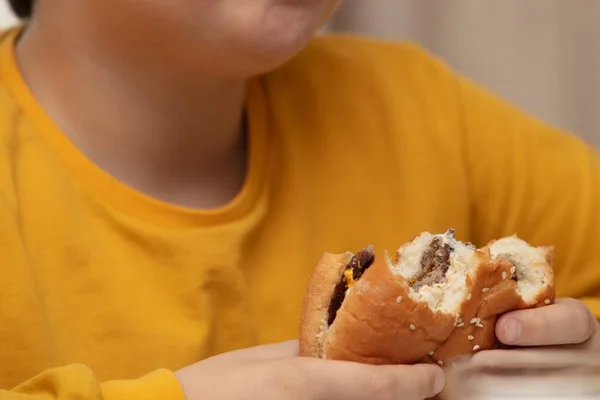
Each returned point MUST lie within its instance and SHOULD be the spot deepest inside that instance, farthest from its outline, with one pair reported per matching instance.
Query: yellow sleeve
(538, 182)
(78, 382)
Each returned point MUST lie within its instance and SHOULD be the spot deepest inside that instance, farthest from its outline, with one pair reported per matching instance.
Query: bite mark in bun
(436, 299)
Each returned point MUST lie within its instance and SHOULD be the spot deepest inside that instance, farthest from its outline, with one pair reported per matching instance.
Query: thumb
(421, 381)
(353, 381)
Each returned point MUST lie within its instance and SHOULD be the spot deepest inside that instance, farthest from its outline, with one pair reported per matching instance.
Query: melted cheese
(349, 278)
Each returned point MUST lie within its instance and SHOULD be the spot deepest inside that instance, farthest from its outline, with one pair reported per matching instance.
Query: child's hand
(568, 322)
(275, 372)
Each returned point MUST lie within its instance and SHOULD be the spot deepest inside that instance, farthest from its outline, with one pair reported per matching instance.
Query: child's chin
(261, 53)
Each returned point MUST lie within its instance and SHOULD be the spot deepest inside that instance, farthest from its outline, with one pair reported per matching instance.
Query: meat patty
(354, 270)
(435, 263)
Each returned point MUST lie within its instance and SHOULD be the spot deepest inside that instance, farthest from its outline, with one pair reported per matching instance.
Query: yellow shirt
(104, 290)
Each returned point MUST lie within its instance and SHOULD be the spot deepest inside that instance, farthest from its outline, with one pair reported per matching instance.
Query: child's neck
(150, 127)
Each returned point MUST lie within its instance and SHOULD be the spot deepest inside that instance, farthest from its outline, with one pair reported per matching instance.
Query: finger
(552, 358)
(352, 381)
(567, 322)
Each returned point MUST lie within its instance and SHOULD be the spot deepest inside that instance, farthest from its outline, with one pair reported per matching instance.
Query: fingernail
(512, 331)
(440, 381)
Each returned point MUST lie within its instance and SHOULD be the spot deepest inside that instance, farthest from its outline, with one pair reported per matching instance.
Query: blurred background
(541, 55)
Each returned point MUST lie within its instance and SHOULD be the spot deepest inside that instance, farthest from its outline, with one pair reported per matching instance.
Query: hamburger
(434, 300)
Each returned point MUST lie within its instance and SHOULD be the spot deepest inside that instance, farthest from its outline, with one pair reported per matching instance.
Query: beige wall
(6, 17)
(543, 55)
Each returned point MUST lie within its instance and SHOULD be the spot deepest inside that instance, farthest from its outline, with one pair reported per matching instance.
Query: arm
(272, 371)
(78, 382)
(531, 179)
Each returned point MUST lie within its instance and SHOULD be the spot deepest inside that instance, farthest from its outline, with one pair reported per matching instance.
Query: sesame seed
(479, 325)
(547, 301)
(476, 347)
(399, 299)
(504, 275)
(460, 325)
(513, 270)
(430, 353)
(470, 337)
(473, 321)
(485, 289)
(469, 296)
(440, 362)
(459, 320)
(412, 327)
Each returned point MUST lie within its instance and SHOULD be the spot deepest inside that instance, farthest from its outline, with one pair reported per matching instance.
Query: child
(172, 170)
